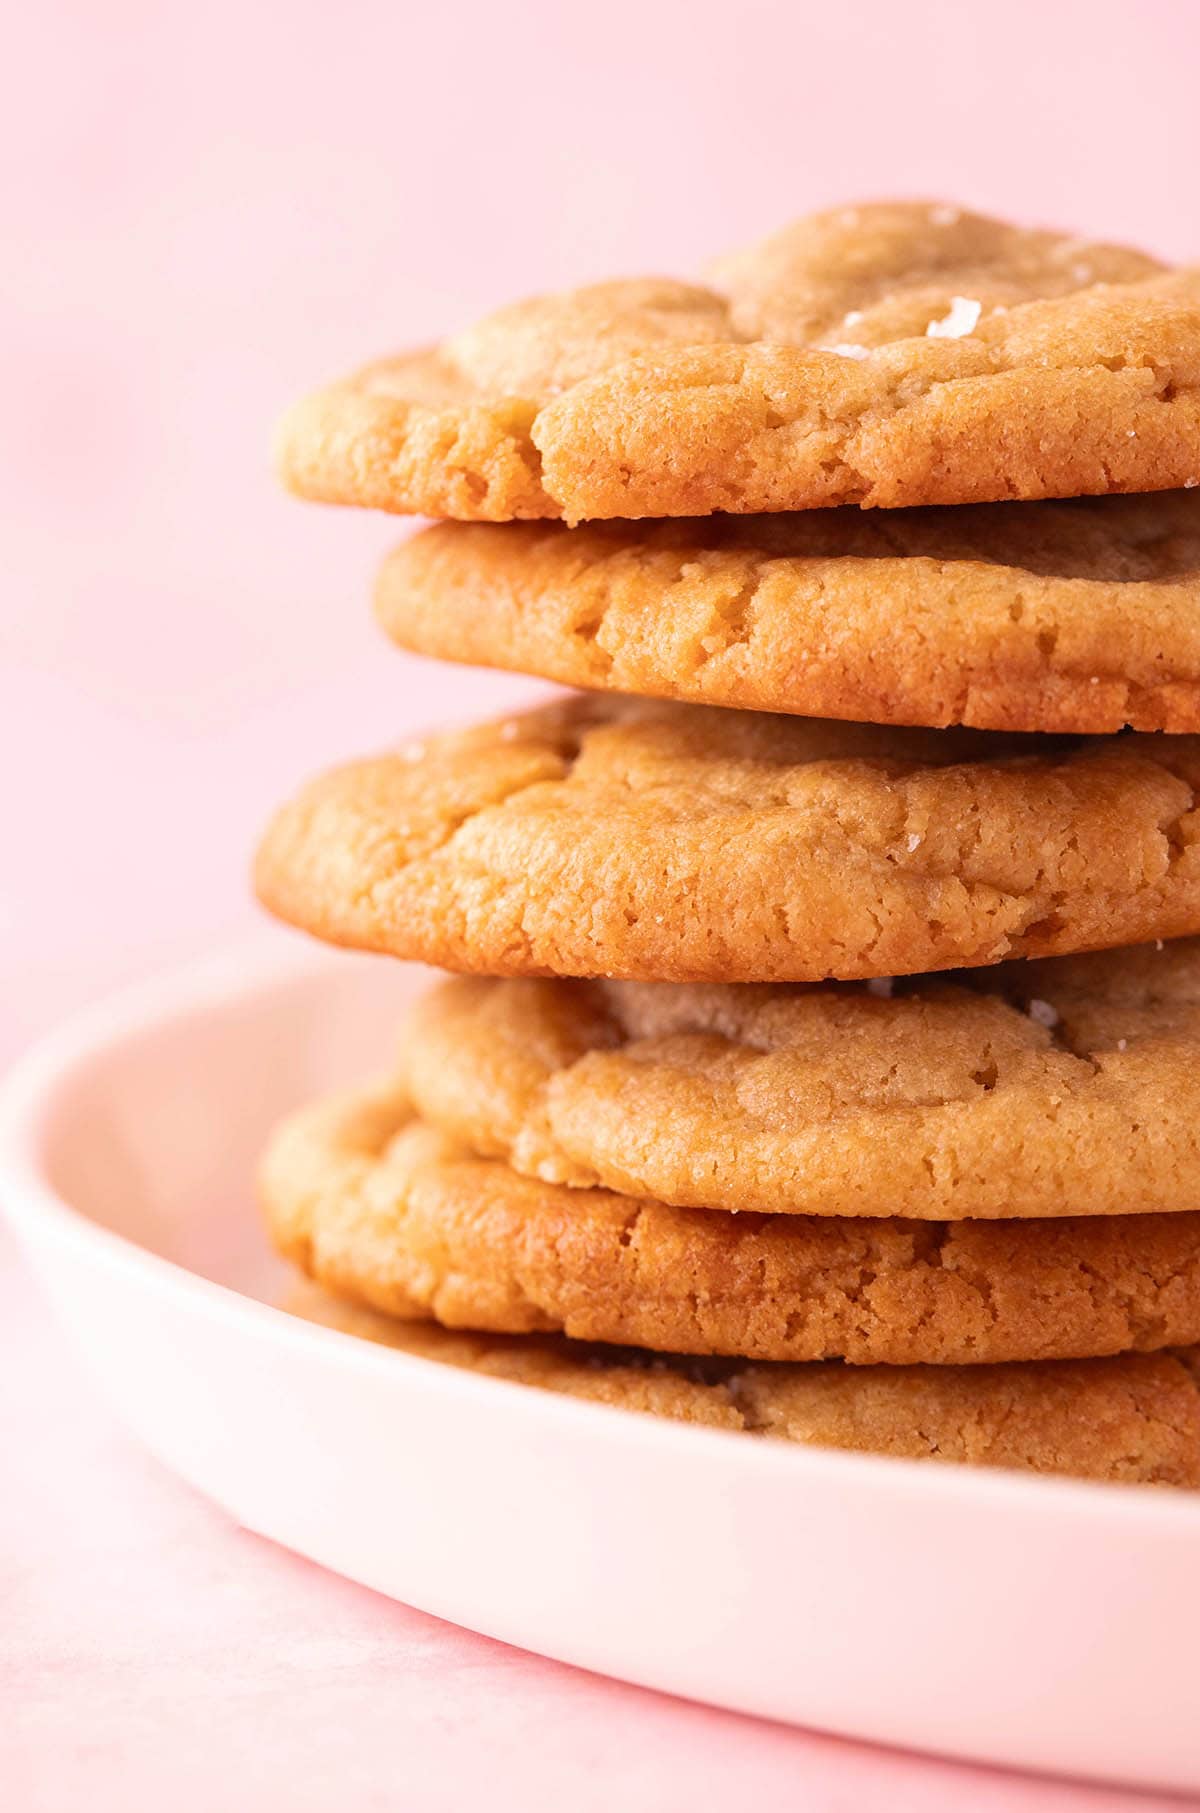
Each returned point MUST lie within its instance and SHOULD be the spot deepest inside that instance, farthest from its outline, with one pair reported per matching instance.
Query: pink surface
(209, 208)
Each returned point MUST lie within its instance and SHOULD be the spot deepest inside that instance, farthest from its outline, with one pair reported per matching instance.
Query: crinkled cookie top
(884, 355)
(609, 836)
(1029, 1090)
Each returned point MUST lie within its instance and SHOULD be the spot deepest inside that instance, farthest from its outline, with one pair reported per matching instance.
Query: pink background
(208, 209)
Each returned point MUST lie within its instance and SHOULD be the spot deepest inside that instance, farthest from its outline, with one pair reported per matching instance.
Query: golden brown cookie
(381, 1209)
(1066, 1087)
(888, 355)
(1076, 617)
(1134, 1418)
(664, 842)
(686, 1390)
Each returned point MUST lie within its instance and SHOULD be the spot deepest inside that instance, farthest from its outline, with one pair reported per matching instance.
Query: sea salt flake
(1043, 1013)
(412, 752)
(1121, 1044)
(882, 987)
(945, 217)
(846, 349)
(510, 732)
(1189, 484)
(914, 838)
(1158, 944)
(962, 319)
(853, 318)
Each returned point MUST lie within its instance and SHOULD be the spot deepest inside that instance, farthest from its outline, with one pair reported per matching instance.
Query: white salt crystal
(962, 319)
(1043, 1013)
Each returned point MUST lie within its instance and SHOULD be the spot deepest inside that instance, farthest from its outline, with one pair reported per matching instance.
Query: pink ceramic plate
(1027, 1621)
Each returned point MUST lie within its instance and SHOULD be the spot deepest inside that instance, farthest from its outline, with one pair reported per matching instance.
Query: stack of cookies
(820, 1062)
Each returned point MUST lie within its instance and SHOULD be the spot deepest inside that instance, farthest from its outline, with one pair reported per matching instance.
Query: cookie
(1077, 617)
(1027, 1094)
(385, 1211)
(1135, 1418)
(685, 1390)
(606, 836)
(886, 355)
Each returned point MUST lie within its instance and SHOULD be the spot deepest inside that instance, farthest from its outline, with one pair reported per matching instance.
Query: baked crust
(607, 836)
(1029, 1090)
(1134, 1418)
(886, 355)
(386, 1212)
(1076, 617)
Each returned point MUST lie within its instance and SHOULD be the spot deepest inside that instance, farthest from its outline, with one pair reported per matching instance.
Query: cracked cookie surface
(1030, 1090)
(385, 1211)
(885, 355)
(1133, 1418)
(1077, 617)
(605, 836)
